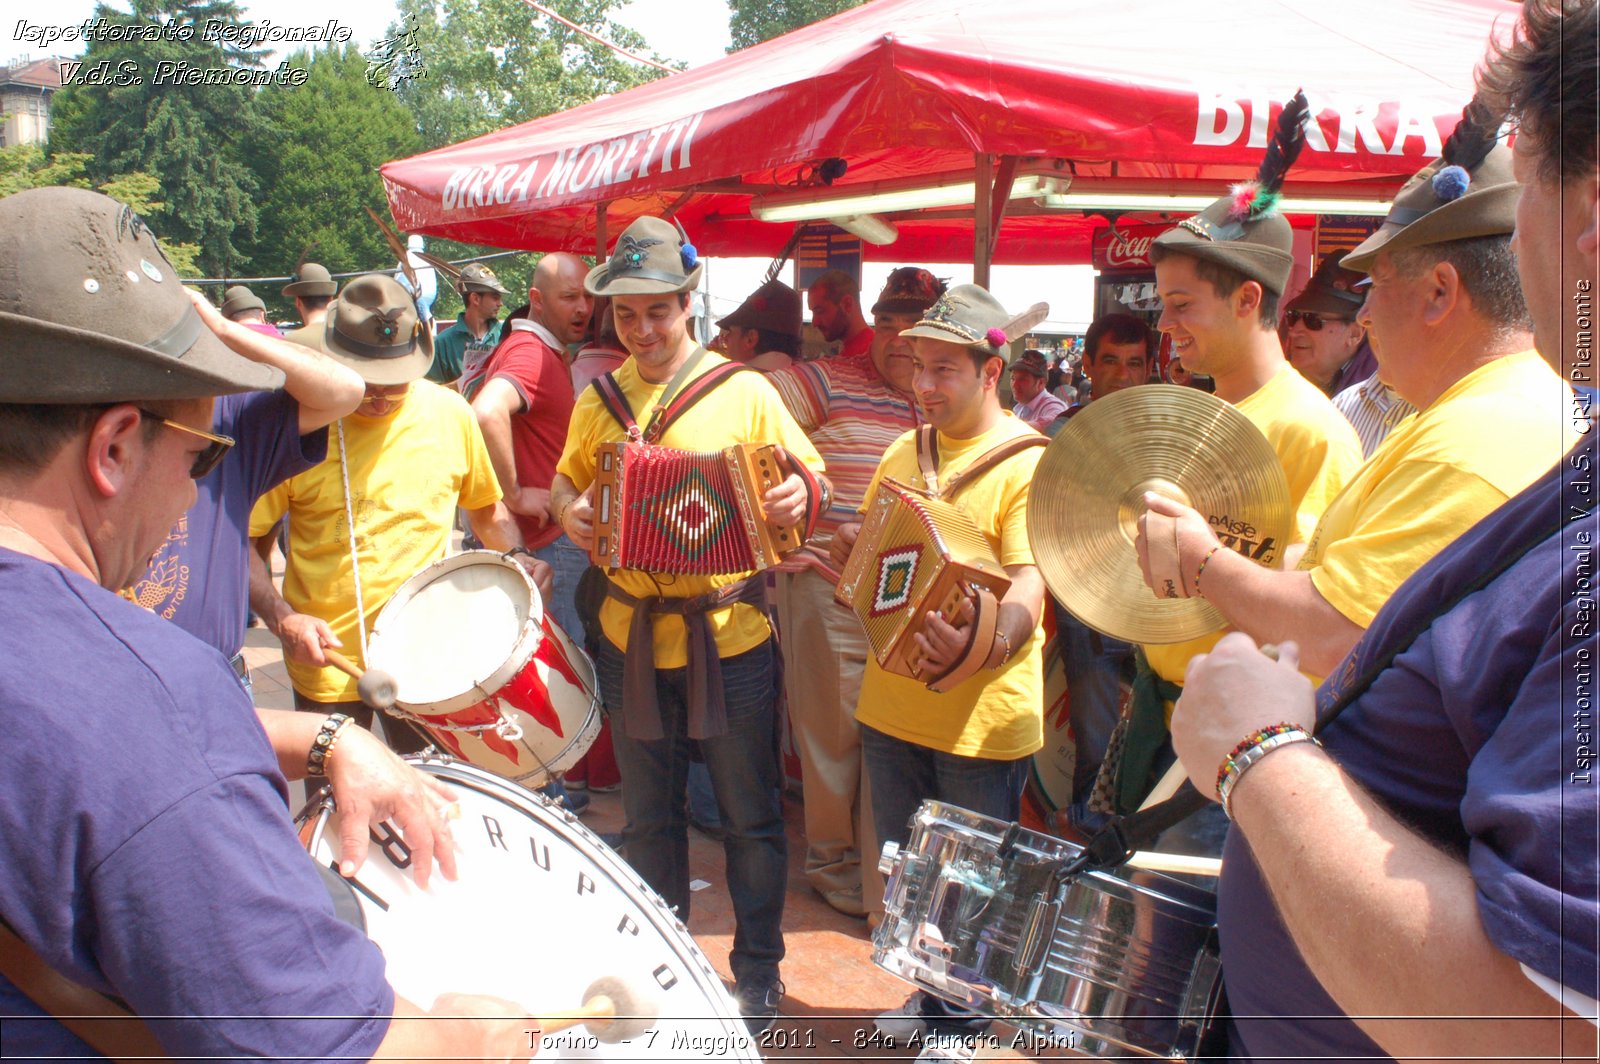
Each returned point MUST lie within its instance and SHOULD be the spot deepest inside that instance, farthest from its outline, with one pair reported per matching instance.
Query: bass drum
(541, 909)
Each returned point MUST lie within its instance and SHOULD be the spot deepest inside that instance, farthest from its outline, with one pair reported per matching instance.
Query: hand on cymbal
(1230, 693)
(1172, 541)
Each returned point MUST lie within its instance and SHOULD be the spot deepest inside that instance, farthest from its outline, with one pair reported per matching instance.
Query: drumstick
(611, 1010)
(1176, 862)
(374, 686)
(1169, 783)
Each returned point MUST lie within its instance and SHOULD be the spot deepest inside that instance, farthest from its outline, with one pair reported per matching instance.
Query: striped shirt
(1373, 409)
(852, 416)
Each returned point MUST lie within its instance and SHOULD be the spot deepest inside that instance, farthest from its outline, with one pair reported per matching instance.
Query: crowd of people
(1402, 787)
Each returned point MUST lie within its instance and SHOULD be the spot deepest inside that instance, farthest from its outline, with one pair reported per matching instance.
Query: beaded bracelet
(1198, 573)
(1253, 748)
(322, 745)
(1007, 641)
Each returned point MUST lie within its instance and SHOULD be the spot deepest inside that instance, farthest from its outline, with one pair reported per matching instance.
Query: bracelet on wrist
(1251, 749)
(322, 745)
(1198, 573)
(1005, 659)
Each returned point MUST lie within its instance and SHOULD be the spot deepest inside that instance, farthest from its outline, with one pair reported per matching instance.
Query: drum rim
(651, 905)
(522, 650)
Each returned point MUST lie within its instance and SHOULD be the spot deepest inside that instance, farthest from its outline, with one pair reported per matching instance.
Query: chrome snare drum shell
(1122, 962)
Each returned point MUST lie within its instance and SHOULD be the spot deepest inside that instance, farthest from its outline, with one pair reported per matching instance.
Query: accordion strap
(681, 394)
(980, 639)
(928, 460)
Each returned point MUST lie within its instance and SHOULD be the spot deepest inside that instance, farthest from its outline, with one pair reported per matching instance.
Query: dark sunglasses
(206, 460)
(1311, 319)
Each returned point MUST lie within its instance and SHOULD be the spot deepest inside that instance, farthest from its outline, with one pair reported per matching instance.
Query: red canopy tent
(1100, 99)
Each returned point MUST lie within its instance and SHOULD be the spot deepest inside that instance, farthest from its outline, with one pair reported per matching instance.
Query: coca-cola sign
(1126, 247)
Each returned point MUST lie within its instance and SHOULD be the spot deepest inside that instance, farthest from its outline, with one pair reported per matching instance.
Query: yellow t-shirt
(1319, 452)
(1440, 471)
(408, 473)
(994, 714)
(742, 409)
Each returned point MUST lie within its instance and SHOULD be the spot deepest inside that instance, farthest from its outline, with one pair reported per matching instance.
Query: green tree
(186, 136)
(25, 166)
(489, 64)
(316, 154)
(753, 21)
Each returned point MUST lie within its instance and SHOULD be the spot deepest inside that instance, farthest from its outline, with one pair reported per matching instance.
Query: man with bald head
(523, 407)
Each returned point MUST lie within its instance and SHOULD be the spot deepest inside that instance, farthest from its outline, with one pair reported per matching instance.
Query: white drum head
(456, 626)
(541, 909)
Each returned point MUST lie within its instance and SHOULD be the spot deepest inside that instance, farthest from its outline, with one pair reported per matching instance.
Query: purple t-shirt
(200, 578)
(145, 847)
(1480, 736)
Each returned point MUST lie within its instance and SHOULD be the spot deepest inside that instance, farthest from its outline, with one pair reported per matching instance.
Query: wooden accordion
(664, 510)
(916, 554)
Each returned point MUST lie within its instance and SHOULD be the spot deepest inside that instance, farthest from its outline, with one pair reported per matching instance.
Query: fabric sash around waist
(641, 712)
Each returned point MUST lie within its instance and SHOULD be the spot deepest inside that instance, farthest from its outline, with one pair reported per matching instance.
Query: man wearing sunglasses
(146, 850)
(1451, 333)
(1323, 339)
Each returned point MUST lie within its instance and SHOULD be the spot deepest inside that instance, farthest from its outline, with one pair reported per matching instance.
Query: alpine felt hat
(373, 328)
(909, 290)
(91, 310)
(968, 315)
(1331, 292)
(1467, 192)
(651, 257)
(774, 307)
(238, 299)
(312, 279)
(476, 277)
(1244, 230)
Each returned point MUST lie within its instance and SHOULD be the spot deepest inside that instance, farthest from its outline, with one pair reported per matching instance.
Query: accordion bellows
(914, 555)
(662, 510)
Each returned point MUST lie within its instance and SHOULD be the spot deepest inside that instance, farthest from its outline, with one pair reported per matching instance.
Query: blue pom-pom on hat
(690, 256)
(1451, 183)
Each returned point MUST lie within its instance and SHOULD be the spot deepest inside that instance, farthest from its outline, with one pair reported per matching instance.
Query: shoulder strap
(928, 457)
(688, 396)
(106, 1025)
(988, 460)
(615, 402)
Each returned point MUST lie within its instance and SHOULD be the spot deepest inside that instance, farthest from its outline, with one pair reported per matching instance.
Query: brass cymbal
(1084, 508)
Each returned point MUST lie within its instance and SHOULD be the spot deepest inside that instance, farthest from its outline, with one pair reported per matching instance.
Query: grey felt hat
(651, 257)
(1244, 230)
(312, 279)
(476, 277)
(91, 311)
(1467, 192)
(968, 315)
(238, 299)
(373, 328)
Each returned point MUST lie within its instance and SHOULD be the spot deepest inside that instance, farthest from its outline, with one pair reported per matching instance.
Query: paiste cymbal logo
(1244, 537)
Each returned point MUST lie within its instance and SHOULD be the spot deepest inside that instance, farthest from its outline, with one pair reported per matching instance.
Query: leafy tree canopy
(754, 21)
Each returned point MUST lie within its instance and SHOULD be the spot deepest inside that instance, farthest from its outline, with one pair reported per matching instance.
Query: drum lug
(1038, 931)
(886, 860)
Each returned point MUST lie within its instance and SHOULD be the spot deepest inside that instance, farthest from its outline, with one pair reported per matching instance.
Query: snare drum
(1121, 962)
(540, 910)
(479, 666)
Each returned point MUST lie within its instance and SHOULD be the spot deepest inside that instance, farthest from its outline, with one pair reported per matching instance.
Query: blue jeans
(745, 775)
(903, 775)
(569, 563)
(1097, 667)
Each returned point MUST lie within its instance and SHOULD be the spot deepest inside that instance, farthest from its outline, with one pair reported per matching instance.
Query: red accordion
(663, 510)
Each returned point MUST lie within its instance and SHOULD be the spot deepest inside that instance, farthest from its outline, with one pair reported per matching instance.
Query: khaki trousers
(824, 655)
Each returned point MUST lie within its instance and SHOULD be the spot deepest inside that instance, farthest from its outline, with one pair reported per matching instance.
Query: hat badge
(633, 251)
